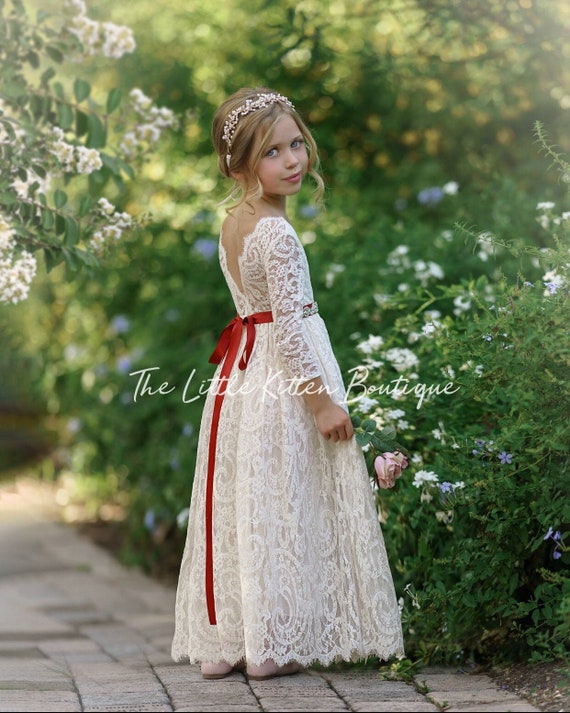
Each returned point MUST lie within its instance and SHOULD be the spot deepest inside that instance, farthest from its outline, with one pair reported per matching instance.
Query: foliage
(51, 137)
(478, 536)
(423, 112)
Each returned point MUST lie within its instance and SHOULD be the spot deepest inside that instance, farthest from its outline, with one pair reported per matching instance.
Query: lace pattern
(300, 565)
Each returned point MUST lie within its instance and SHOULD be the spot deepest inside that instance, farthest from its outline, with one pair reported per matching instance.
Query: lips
(294, 178)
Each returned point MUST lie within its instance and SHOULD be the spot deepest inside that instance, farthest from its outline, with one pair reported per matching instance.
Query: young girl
(285, 563)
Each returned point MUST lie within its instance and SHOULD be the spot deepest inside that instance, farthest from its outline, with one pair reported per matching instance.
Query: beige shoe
(219, 670)
(270, 669)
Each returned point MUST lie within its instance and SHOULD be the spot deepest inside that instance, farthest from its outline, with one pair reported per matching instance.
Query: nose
(291, 158)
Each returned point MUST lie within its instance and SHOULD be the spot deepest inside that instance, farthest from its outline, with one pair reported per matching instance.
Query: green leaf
(59, 198)
(33, 59)
(113, 100)
(54, 54)
(48, 75)
(363, 439)
(126, 167)
(81, 89)
(84, 206)
(36, 106)
(96, 132)
(80, 122)
(40, 170)
(381, 443)
(71, 261)
(389, 432)
(8, 128)
(71, 231)
(7, 198)
(65, 116)
(369, 425)
(47, 219)
(59, 90)
(59, 224)
(52, 258)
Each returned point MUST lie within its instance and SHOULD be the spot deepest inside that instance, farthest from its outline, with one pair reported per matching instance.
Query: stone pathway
(80, 632)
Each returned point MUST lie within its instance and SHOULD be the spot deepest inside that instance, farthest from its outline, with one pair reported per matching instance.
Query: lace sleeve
(286, 271)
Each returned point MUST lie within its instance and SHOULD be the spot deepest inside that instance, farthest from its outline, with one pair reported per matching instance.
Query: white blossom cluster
(16, 270)
(104, 38)
(153, 120)
(112, 231)
(401, 359)
(547, 218)
(79, 159)
(399, 261)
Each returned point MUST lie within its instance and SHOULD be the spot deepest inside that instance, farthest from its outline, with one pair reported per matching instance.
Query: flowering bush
(56, 148)
(477, 533)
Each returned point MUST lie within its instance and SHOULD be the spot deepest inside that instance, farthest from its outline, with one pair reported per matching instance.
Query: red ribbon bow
(226, 349)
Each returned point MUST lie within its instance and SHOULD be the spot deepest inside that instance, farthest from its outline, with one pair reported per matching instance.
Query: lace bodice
(275, 276)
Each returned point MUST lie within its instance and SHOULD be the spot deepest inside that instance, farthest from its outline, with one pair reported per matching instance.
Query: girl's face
(284, 161)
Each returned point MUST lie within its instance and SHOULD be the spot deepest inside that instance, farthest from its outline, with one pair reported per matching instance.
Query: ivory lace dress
(300, 571)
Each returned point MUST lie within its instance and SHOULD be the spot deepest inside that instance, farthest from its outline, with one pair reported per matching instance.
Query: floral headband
(250, 105)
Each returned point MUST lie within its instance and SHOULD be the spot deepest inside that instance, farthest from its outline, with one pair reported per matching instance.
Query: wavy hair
(255, 126)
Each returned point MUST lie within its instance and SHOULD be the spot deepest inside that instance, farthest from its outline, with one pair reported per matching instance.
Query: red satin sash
(226, 349)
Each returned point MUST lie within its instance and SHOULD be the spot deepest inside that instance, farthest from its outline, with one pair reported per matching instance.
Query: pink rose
(389, 467)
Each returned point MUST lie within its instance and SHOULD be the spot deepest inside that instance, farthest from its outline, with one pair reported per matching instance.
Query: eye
(296, 143)
(271, 153)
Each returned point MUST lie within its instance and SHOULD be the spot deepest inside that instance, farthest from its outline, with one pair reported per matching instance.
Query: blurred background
(424, 112)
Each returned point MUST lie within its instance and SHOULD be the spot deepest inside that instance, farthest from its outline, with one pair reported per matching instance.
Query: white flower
(16, 275)
(424, 271)
(119, 40)
(332, 272)
(141, 103)
(366, 404)
(105, 206)
(129, 144)
(182, 518)
(445, 516)
(148, 132)
(425, 477)
(402, 359)
(88, 160)
(450, 188)
(371, 344)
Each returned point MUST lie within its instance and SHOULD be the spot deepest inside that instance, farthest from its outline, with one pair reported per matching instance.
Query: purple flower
(124, 364)
(150, 520)
(206, 247)
(552, 287)
(446, 487)
(505, 457)
(557, 554)
(308, 211)
(549, 533)
(120, 324)
(430, 196)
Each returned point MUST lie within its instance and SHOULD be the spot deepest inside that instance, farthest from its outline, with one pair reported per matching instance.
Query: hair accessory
(250, 105)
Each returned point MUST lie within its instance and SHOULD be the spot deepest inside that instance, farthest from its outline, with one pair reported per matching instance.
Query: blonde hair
(255, 124)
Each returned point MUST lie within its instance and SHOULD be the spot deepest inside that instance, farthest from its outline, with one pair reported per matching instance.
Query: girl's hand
(332, 420)
(334, 423)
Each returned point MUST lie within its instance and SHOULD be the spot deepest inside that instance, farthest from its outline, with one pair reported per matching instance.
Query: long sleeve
(286, 270)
